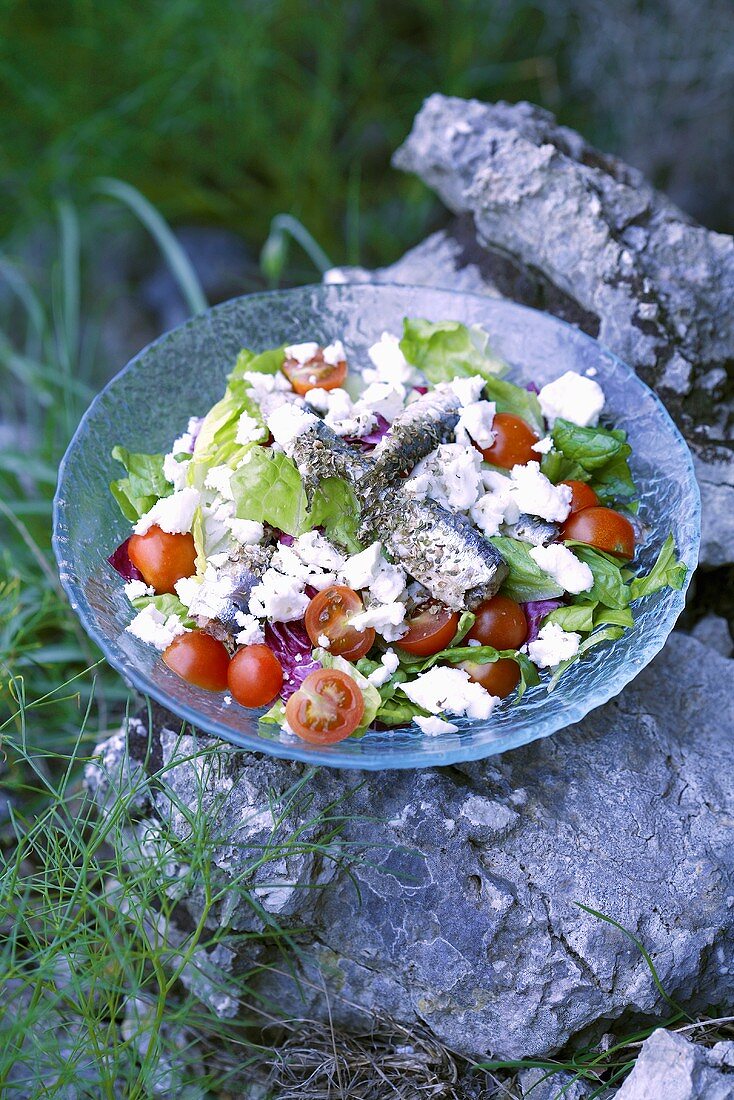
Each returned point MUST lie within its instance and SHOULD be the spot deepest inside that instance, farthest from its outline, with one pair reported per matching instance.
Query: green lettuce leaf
(516, 400)
(399, 711)
(336, 509)
(667, 572)
(444, 350)
(605, 634)
(609, 587)
(594, 455)
(263, 362)
(145, 484)
(167, 604)
(577, 617)
(525, 581)
(216, 444)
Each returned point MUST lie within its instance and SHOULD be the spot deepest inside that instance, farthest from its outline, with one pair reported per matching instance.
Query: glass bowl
(182, 374)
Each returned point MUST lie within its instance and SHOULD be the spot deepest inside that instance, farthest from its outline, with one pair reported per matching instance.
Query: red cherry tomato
(430, 629)
(498, 677)
(500, 622)
(327, 707)
(163, 559)
(314, 374)
(603, 528)
(199, 659)
(581, 496)
(327, 615)
(514, 439)
(255, 676)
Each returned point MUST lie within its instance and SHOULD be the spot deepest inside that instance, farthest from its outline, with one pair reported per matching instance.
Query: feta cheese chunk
(175, 471)
(450, 689)
(389, 362)
(563, 566)
(334, 353)
(302, 353)
(247, 532)
(155, 628)
(313, 548)
(544, 446)
(135, 589)
(249, 430)
(385, 398)
(388, 666)
(324, 641)
(475, 421)
(451, 475)
(185, 443)
(251, 632)
(553, 645)
(572, 397)
(289, 422)
(206, 596)
(385, 618)
(218, 479)
(468, 390)
(537, 496)
(278, 597)
(434, 727)
(388, 583)
(360, 570)
(173, 514)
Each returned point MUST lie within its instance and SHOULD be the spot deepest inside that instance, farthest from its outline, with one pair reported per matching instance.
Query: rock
(671, 1067)
(713, 631)
(450, 896)
(541, 1084)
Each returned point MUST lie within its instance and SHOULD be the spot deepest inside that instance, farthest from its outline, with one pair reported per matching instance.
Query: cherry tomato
(603, 528)
(514, 439)
(314, 374)
(163, 559)
(498, 677)
(582, 496)
(327, 707)
(198, 658)
(327, 615)
(255, 676)
(500, 622)
(430, 629)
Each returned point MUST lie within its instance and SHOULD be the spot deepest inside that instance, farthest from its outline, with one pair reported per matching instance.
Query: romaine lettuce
(444, 350)
(145, 484)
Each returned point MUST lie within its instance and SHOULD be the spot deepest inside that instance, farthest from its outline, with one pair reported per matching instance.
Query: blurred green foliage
(232, 111)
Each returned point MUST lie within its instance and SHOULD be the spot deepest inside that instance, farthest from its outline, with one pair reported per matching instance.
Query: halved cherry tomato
(327, 707)
(314, 374)
(199, 659)
(500, 622)
(430, 629)
(582, 496)
(255, 676)
(514, 439)
(163, 559)
(603, 528)
(327, 615)
(498, 677)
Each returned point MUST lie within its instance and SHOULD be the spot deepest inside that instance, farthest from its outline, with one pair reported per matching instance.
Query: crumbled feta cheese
(385, 398)
(323, 641)
(389, 362)
(278, 597)
(385, 618)
(289, 422)
(185, 443)
(135, 589)
(449, 689)
(206, 596)
(572, 397)
(334, 353)
(227, 700)
(249, 430)
(450, 475)
(434, 727)
(537, 496)
(251, 632)
(173, 514)
(318, 399)
(388, 583)
(216, 535)
(247, 532)
(468, 390)
(302, 353)
(263, 384)
(543, 446)
(175, 471)
(286, 560)
(218, 478)
(360, 570)
(388, 666)
(563, 566)
(473, 642)
(313, 548)
(497, 506)
(155, 628)
(475, 422)
(553, 645)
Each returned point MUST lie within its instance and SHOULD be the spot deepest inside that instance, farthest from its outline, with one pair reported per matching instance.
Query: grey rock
(450, 896)
(713, 631)
(542, 1084)
(671, 1067)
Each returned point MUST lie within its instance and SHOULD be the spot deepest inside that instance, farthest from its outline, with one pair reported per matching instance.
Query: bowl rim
(252, 742)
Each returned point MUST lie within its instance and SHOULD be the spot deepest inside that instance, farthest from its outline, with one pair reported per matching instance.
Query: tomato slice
(199, 659)
(162, 559)
(603, 528)
(315, 373)
(327, 616)
(255, 676)
(513, 443)
(500, 677)
(499, 622)
(582, 496)
(327, 707)
(430, 629)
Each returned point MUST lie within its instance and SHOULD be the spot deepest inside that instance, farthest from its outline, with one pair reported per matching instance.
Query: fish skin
(429, 420)
(320, 453)
(532, 529)
(246, 570)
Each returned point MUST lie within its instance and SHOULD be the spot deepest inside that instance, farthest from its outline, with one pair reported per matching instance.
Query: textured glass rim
(403, 758)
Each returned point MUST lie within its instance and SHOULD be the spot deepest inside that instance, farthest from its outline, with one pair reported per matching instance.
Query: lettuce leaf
(145, 484)
(609, 587)
(667, 572)
(444, 350)
(399, 711)
(604, 634)
(216, 443)
(486, 654)
(526, 581)
(594, 455)
(516, 400)
(264, 362)
(167, 604)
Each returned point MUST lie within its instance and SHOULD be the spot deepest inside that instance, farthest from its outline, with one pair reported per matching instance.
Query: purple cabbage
(285, 538)
(535, 612)
(421, 390)
(369, 440)
(120, 561)
(532, 387)
(292, 646)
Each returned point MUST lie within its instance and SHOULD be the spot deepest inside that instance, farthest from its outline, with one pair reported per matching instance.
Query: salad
(407, 543)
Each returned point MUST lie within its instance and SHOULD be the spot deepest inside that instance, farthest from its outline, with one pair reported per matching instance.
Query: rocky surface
(451, 896)
(670, 1067)
(550, 221)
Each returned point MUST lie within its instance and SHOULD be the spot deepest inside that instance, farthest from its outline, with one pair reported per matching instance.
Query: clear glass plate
(182, 374)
